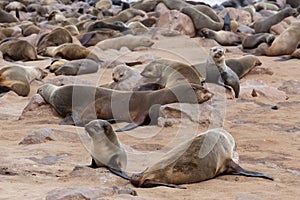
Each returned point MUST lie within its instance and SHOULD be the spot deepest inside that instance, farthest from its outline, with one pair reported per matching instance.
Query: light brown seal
(225, 38)
(204, 157)
(264, 25)
(285, 44)
(70, 51)
(56, 37)
(130, 41)
(18, 78)
(18, 50)
(171, 73)
(92, 38)
(227, 76)
(74, 67)
(106, 149)
(125, 15)
(81, 103)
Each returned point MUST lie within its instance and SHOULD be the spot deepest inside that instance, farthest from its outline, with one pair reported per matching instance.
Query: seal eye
(121, 75)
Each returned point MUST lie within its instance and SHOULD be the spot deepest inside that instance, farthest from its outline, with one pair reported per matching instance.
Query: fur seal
(285, 44)
(229, 77)
(18, 50)
(171, 73)
(70, 51)
(252, 41)
(124, 78)
(18, 78)
(225, 38)
(204, 157)
(125, 15)
(264, 25)
(106, 149)
(100, 25)
(82, 103)
(6, 17)
(93, 37)
(74, 67)
(201, 20)
(56, 37)
(130, 41)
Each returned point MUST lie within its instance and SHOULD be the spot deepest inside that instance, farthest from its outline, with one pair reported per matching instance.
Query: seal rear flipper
(119, 173)
(235, 169)
(149, 184)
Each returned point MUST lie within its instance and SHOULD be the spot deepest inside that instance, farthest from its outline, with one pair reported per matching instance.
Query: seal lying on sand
(81, 103)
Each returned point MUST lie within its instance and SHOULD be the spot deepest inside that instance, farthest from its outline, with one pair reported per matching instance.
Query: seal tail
(235, 169)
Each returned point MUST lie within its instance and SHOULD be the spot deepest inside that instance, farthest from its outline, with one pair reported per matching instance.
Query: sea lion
(253, 41)
(93, 37)
(70, 51)
(98, 25)
(146, 6)
(229, 77)
(125, 15)
(72, 29)
(130, 41)
(6, 17)
(265, 6)
(171, 73)
(201, 20)
(80, 104)
(18, 78)
(74, 67)
(264, 25)
(124, 78)
(225, 38)
(103, 5)
(106, 149)
(56, 37)
(18, 50)
(293, 3)
(204, 157)
(285, 44)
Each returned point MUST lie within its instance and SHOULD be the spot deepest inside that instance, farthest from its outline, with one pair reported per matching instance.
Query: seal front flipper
(137, 121)
(235, 169)
(149, 184)
(221, 82)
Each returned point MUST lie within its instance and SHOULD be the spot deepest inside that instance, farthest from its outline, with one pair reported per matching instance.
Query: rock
(205, 42)
(261, 70)
(241, 16)
(38, 136)
(290, 87)
(48, 160)
(261, 90)
(79, 193)
(175, 20)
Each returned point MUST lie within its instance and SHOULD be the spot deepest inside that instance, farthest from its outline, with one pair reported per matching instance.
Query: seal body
(222, 37)
(18, 50)
(206, 156)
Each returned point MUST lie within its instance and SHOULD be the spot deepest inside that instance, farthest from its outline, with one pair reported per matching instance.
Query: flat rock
(290, 87)
(38, 136)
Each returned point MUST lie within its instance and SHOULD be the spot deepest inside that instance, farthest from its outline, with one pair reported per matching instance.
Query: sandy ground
(268, 141)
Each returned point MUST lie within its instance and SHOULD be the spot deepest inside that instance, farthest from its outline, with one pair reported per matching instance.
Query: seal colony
(78, 37)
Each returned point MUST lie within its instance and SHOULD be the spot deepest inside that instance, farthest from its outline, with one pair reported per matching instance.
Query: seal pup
(70, 51)
(204, 157)
(253, 41)
(130, 41)
(73, 67)
(171, 73)
(15, 49)
(225, 38)
(264, 25)
(124, 78)
(106, 149)
(79, 104)
(229, 77)
(285, 44)
(18, 78)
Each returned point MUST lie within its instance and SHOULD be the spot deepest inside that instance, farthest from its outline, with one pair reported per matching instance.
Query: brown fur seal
(81, 103)
(93, 37)
(124, 78)
(100, 25)
(146, 6)
(70, 51)
(106, 149)
(130, 41)
(125, 15)
(204, 157)
(171, 73)
(285, 44)
(225, 38)
(264, 25)
(18, 50)
(229, 77)
(201, 20)
(252, 41)
(18, 78)
(56, 37)
(103, 5)
(6, 17)
(74, 67)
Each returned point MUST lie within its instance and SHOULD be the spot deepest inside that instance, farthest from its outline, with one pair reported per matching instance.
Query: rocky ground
(40, 159)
